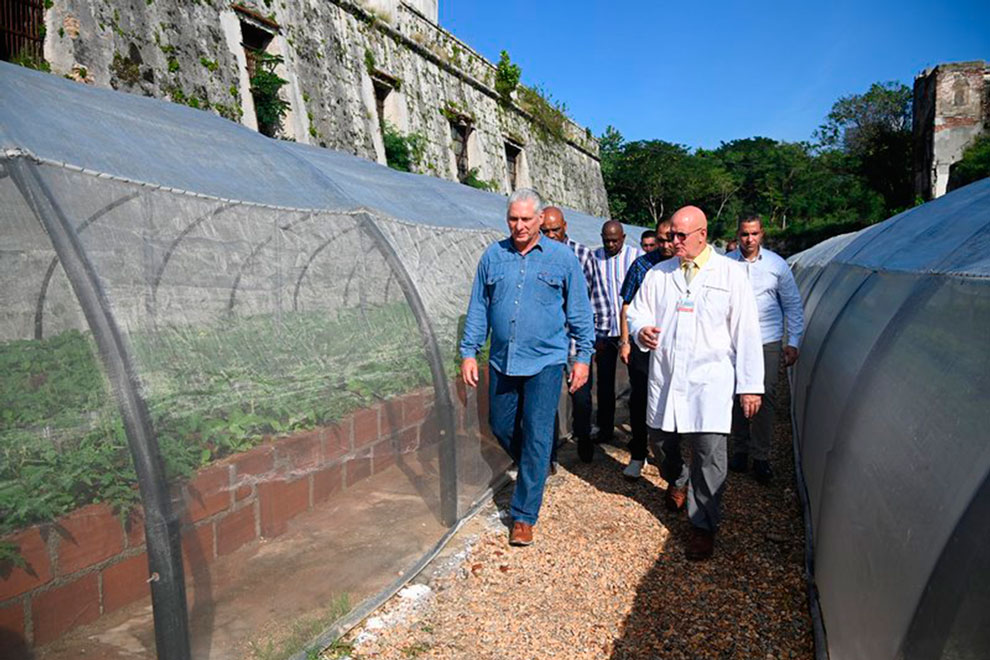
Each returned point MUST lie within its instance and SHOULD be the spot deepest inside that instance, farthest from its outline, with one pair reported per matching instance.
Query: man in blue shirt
(531, 295)
(778, 300)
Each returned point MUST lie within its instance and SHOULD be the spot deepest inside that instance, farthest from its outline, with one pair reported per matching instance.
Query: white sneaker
(633, 470)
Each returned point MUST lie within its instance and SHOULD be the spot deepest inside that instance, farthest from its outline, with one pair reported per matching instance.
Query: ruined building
(377, 78)
(951, 108)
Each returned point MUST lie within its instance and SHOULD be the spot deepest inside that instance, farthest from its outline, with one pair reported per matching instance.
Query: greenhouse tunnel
(891, 416)
(229, 376)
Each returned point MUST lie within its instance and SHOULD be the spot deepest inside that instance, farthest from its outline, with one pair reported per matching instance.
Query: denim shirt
(532, 304)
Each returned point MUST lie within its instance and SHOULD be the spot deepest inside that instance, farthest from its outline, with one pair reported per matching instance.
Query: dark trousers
(606, 355)
(581, 419)
(755, 436)
(639, 373)
(639, 378)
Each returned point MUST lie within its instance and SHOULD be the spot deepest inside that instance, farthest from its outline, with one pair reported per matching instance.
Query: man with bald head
(554, 227)
(613, 260)
(698, 315)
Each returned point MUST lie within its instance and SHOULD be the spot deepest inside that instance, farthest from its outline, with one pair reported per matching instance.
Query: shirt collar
(701, 259)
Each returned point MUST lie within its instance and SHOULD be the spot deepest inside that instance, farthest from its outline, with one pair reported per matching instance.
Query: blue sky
(699, 73)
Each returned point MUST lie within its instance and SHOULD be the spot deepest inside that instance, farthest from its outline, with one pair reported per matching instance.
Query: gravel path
(606, 578)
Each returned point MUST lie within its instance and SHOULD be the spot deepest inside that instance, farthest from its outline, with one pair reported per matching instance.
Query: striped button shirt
(596, 290)
(612, 271)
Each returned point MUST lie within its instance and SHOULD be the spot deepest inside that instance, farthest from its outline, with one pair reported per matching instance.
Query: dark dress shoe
(521, 534)
(739, 462)
(586, 450)
(762, 472)
(700, 545)
(675, 498)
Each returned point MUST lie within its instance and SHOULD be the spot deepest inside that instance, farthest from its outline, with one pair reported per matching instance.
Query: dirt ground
(607, 578)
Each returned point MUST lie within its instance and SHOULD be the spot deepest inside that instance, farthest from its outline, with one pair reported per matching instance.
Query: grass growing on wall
(212, 391)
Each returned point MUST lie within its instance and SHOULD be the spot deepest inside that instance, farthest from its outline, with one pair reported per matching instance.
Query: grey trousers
(704, 474)
(754, 436)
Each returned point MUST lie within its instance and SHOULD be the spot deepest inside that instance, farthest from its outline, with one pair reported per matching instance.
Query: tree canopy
(857, 172)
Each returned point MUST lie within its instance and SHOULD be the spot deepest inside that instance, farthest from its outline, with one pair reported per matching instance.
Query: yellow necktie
(690, 270)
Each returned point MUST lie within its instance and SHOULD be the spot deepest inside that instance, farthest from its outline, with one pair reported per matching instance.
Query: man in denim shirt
(531, 294)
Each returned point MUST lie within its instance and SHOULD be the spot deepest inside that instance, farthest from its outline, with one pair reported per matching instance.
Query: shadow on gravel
(749, 600)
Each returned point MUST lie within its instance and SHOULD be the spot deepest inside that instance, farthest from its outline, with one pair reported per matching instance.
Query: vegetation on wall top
(506, 78)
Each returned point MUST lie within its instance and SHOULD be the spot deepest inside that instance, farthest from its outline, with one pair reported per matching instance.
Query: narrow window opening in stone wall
(512, 157)
(254, 40)
(459, 143)
(382, 91)
(21, 22)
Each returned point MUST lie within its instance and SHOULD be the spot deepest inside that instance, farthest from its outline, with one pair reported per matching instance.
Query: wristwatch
(623, 343)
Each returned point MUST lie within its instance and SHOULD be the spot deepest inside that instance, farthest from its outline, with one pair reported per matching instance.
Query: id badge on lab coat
(685, 306)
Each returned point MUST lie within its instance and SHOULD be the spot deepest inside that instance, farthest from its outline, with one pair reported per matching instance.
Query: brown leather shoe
(521, 534)
(700, 545)
(675, 498)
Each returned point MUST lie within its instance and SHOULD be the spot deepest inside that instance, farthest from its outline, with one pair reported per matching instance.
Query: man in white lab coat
(698, 316)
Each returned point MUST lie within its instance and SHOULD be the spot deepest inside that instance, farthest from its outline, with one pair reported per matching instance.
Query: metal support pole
(444, 405)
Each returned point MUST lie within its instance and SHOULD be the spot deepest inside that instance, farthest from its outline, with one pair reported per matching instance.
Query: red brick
(125, 582)
(391, 417)
(302, 451)
(383, 456)
(408, 440)
(134, 527)
(59, 610)
(13, 639)
(37, 568)
(338, 440)
(357, 468)
(197, 548)
(280, 502)
(243, 492)
(365, 427)
(207, 494)
(326, 482)
(235, 530)
(88, 536)
(413, 409)
(257, 461)
(429, 431)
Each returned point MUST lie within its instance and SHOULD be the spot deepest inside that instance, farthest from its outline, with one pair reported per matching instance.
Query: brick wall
(89, 563)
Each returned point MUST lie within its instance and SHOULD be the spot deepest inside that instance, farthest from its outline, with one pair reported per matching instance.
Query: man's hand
(790, 356)
(624, 351)
(750, 404)
(578, 377)
(469, 372)
(650, 337)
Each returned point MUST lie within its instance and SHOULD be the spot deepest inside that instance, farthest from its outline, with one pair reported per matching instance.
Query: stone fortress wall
(951, 108)
(350, 67)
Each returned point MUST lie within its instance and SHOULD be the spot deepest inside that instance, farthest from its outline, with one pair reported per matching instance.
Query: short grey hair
(526, 195)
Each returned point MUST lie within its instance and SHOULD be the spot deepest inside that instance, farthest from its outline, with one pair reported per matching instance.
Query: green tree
(506, 78)
(874, 129)
(975, 164)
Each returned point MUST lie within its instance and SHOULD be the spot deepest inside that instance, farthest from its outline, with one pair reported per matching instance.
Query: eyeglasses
(681, 236)
(664, 238)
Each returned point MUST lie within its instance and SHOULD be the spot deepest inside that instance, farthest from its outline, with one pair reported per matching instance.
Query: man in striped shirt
(613, 261)
(555, 228)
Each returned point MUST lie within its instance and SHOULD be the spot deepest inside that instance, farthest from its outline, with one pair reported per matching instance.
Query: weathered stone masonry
(345, 64)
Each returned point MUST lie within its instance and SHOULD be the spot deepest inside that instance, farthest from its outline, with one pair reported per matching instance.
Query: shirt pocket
(495, 287)
(549, 288)
(716, 303)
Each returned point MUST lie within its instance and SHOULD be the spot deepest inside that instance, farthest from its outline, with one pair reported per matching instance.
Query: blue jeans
(521, 414)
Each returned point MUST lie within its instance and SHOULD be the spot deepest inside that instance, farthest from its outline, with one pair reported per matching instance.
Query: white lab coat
(710, 344)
